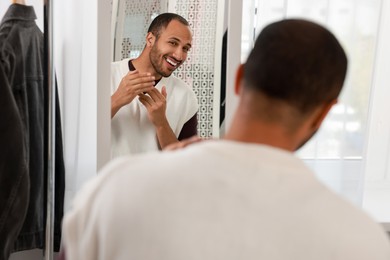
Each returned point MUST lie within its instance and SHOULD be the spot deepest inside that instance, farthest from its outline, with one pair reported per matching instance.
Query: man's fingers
(136, 73)
(164, 91)
(145, 100)
(140, 88)
(134, 77)
(138, 85)
(155, 94)
(143, 80)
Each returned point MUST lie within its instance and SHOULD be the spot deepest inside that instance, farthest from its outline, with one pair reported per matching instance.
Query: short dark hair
(162, 21)
(297, 62)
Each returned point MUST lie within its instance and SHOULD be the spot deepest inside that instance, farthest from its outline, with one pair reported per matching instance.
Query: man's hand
(156, 104)
(131, 85)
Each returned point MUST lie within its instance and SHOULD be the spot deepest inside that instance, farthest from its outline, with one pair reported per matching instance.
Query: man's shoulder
(118, 70)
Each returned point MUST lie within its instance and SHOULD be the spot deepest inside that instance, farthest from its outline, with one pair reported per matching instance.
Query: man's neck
(248, 130)
(142, 64)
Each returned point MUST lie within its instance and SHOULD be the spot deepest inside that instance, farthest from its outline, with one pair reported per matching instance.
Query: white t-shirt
(217, 200)
(131, 130)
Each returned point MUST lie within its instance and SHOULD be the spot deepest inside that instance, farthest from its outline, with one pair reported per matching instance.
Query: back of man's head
(161, 22)
(296, 62)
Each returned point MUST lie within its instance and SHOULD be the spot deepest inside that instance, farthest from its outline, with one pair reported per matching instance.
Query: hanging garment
(18, 29)
(14, 179)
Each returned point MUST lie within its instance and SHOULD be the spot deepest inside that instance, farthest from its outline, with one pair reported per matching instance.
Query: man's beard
(154, 57)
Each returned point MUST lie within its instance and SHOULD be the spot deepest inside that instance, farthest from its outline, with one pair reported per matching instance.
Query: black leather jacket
(19, 30)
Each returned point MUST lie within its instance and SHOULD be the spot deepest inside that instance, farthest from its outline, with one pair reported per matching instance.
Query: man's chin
(166, 74)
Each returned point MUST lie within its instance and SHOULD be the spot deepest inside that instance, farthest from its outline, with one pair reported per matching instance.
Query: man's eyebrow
(177, 39)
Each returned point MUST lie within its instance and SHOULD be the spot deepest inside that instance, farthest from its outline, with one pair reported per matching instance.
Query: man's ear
(322, 113)
(150, 39)
(239, 76)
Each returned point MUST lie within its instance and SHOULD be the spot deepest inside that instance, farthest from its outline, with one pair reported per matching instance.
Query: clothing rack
(50, 114)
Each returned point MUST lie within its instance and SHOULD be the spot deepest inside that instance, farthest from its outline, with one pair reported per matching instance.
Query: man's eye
(173, 43)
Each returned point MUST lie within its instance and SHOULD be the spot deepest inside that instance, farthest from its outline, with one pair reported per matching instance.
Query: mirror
(202, 68)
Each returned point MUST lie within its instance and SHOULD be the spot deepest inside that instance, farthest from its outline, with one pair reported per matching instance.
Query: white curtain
(376, 197)
(82, 60)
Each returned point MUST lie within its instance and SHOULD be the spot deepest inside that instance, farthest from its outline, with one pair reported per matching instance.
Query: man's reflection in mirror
(150, 107)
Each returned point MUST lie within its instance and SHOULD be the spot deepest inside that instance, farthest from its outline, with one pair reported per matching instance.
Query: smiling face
(169, 50)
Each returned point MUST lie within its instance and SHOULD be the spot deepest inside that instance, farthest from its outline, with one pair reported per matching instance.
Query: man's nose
(179, 54)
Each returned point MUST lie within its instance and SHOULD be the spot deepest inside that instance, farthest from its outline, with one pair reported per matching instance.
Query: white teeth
(171, 62)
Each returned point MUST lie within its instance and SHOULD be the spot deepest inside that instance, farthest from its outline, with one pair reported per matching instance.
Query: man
(151, 108)
(246, 196)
